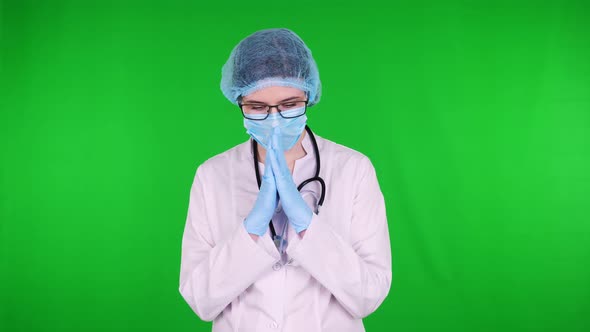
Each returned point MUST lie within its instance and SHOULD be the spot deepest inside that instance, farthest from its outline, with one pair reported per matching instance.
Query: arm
(213, 274)
(357, 273)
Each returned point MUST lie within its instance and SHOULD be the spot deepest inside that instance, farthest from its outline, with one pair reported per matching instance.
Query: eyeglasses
(258, 111)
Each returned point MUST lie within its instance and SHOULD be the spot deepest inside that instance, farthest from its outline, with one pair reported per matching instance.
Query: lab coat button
(277, 266)
(274, 325)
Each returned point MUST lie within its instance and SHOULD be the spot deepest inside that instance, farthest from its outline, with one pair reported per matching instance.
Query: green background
(476, 116)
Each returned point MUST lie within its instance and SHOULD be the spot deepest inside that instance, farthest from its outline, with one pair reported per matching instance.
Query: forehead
(273, 94)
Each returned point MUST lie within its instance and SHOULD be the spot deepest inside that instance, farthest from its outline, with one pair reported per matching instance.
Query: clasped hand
(277, 182)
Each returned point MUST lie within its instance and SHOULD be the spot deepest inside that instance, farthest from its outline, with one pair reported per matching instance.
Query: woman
(257, 254)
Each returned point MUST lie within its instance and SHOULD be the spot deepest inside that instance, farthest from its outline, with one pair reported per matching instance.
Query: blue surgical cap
(270, 57)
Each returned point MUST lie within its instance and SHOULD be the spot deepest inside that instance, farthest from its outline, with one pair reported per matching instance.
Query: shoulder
(350, 166)
(221, 162)
(342, 154)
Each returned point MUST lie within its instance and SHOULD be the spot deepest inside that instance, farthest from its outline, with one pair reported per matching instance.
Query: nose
(276, 109)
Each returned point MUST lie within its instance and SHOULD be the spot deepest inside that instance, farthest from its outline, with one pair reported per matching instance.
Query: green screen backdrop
(476, 115)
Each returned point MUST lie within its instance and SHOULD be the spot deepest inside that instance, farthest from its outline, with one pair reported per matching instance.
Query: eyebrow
(261, 102)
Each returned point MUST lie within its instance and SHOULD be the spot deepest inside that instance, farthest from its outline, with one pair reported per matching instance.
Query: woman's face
(274, 95)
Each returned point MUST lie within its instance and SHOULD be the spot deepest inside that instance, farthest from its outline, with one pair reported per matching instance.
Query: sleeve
(213, 274)
(357, 272)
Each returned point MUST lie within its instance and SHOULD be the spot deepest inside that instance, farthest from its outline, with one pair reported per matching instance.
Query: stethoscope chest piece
(277, 241)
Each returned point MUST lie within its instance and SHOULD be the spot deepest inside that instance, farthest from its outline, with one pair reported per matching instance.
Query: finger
(283, 178)
(272, 142)
(281, 161)
(275, 139)
(271, 160)
(268, 171)
(279, 175)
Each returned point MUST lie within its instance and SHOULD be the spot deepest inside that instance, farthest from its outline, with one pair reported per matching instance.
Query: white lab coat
(337, 273)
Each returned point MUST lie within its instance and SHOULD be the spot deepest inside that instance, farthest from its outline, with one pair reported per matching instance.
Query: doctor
(263, 249)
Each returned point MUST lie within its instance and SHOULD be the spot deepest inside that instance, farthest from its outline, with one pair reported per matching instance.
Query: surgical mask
(290, 129)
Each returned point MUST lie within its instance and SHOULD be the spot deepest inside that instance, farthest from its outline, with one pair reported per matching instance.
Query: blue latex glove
(296, 209)
(259, 217)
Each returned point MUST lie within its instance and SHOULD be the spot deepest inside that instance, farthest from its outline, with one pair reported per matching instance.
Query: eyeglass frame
(271, 107)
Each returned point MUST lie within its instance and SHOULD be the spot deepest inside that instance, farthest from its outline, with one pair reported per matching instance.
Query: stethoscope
(316, 177)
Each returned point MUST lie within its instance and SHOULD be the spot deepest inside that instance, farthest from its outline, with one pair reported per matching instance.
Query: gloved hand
(259, 217)
(297, 211)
